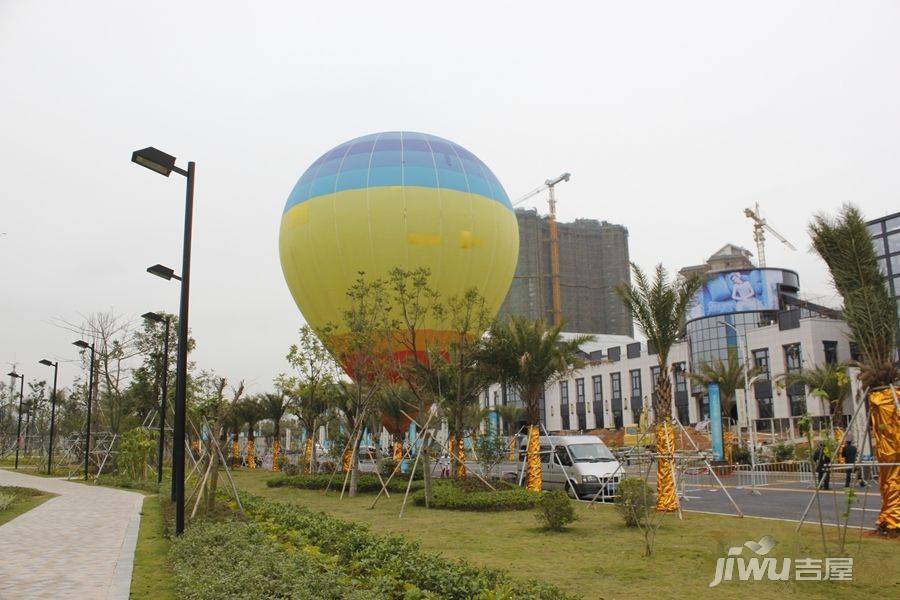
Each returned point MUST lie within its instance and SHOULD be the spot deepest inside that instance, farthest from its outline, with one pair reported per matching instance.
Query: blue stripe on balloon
(397, 158)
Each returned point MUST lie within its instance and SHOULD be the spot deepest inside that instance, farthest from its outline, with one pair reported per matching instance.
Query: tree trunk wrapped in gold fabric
(308, 455)
(276, 451)
(235, 454)
(345, 460)
(886, 437)
(666, 497)
(838, 446)
(251, 455)
(728, 447)
(461, 455)
(398, 450)
(534, 478)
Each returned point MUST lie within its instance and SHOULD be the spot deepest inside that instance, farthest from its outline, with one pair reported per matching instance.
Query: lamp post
(87, 430)
(157, 318)
(13, 374)
(750, 432)
(55, 366)
(164, 164)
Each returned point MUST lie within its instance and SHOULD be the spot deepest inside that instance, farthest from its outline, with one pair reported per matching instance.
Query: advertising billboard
(737, 291)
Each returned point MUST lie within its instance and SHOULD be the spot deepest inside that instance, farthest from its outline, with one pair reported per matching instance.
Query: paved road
(77, 545)
(786, 502)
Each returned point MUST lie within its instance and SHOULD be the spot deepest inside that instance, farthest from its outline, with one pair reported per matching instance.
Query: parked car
(582, 465)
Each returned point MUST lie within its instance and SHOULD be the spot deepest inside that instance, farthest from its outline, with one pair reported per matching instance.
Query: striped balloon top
(397, 158)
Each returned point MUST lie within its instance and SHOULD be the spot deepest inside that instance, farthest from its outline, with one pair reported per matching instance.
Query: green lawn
(152, 577)
(25, 500)
(598, 557)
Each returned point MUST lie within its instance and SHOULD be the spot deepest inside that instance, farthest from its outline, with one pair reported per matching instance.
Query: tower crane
(759, 227)
(550, 184)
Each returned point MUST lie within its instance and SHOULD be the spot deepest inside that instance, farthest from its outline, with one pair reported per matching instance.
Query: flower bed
(365, 484)
(449, 496)
(398, 568)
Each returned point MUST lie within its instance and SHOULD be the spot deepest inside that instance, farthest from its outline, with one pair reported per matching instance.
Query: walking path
(77, 545)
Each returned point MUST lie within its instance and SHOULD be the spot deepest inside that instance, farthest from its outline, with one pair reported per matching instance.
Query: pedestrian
(849, 453)
(822, 460)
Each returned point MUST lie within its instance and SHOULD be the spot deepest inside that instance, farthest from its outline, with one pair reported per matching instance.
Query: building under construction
(593, 260)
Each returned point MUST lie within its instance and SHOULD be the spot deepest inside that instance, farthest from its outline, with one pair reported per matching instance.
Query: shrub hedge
(365, 484)
(449, 496)
(392, 566)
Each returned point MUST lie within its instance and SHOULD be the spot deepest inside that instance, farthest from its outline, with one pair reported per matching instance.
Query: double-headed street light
(157, 318)
(55, 366)
(87, 430)
(13, 374)
(162, 163)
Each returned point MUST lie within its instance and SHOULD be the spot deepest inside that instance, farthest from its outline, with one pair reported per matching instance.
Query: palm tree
(728, 375)
(526, 355)
(272, 407)
(846, 247)
(828, 382)
(395, 407)
(659, 307)
(311, 404)
(250, 413)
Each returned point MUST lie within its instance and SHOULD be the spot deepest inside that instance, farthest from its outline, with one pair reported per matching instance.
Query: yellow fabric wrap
(461, 455)
(728, 446)
(235, 452)
(838, 445)
(345, 460)
(512, 449)
(451, 450)
(666, 498)
(276, 451)
(308, 454)
(251, 455)
(398, 451)
(886, 438)
(533, 475)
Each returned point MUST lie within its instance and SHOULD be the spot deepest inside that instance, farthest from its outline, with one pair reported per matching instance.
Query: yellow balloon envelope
(396, 199)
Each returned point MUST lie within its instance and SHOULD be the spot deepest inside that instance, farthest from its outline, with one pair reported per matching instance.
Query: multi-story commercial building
(886, 240)
(593, 260)
(736, 308)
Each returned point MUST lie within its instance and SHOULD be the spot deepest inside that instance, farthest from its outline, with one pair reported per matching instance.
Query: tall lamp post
(750, 431)
(157, 318)
(13, 374)
(87, 430)
(164, 164)
(55, 366)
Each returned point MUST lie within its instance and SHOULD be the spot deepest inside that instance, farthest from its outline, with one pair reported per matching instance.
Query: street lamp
(157, 318)
(55, 366)
(163, 272)
(164, 164)
(13, 374)
(87, 430)
(751, 434)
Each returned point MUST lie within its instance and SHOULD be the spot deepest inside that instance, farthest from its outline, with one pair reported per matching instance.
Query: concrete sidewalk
(77, 545)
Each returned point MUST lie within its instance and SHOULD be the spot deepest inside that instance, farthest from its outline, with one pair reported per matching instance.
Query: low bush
(741, 456)
(6, 500)
(782, 452)
(555, 510)
(448, 496)
(144, 485)
(238, 560)
(392, 566)
(636, 500)
(365, 484)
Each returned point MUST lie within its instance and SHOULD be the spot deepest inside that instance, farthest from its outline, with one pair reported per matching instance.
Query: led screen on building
(737, 291)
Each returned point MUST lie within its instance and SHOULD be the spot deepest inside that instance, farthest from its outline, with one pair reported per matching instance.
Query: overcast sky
(671, 116)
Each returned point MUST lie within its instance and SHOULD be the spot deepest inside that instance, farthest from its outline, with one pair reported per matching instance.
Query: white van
(581, 465)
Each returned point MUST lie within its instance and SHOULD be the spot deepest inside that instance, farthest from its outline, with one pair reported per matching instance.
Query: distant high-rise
(593, 260)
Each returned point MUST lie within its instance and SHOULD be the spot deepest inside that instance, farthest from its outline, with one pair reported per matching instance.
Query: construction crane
(759, 227)
(550, 184)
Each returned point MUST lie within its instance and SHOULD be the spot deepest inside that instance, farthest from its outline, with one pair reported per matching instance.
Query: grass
(152, 575)
(598, 557)
(25, 500)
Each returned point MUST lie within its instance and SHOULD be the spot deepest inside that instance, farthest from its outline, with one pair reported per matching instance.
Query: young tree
(659, 307)
(249, 412)
(311, 389)
(362, 346)
(846, 247)
(527, 355)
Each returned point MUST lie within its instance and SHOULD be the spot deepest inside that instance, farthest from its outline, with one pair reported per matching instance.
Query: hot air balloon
(396, 199)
